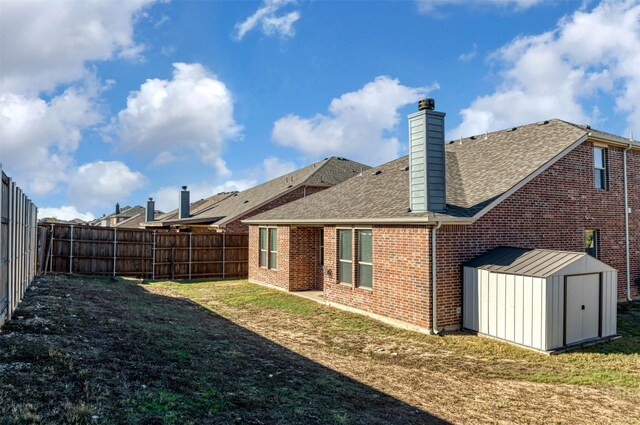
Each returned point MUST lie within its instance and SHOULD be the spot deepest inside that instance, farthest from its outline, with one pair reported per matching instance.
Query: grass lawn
(86, 350)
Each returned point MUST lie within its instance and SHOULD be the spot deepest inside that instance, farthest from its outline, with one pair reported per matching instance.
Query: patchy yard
(97, 351)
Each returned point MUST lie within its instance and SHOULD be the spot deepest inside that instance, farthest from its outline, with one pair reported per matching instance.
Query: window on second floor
(600, 167)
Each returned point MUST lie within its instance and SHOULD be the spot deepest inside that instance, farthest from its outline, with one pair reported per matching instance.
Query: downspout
(434, 302)
(626, 221)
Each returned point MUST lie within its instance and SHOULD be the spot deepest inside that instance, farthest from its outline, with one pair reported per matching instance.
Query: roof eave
(379, 220)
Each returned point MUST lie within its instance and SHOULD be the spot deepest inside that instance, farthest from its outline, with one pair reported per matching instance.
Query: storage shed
(539, 298)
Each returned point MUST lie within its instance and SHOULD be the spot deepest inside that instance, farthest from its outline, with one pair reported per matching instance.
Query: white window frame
(600, 170)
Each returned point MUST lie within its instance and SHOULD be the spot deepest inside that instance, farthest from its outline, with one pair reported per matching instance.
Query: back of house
(393, 242)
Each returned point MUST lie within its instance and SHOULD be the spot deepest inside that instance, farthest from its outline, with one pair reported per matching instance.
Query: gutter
(626, 220)
(434, 301)
(330, 221)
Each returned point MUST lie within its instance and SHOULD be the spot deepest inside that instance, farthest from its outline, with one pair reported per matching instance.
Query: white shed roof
(538, 262)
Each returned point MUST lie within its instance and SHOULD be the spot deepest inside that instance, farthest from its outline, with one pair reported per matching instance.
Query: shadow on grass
(84, 350)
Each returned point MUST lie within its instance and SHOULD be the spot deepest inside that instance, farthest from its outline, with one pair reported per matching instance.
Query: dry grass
(459, 377)
(96, 351)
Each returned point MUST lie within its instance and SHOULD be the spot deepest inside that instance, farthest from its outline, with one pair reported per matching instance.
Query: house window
(591, 242)
(344, 255)
(262, 260)
(600, 167)
(365, 258)
(273, 248)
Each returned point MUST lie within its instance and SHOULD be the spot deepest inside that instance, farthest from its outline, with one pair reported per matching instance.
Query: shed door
(582, 307)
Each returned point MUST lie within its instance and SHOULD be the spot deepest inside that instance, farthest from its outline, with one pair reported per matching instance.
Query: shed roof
(537, 262)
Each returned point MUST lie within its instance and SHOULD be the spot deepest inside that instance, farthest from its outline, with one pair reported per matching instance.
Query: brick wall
(552, 211)
(279, 276)
(298, 267)
(400, 274)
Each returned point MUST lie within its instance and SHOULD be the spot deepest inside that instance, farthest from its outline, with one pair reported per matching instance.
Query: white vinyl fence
(18, 245)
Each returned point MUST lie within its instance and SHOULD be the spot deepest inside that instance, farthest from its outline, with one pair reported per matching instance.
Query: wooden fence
(18, 245)
(144, 253)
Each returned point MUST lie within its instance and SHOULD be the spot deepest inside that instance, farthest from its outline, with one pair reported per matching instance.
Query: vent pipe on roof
(151, 210)
(117, 208)
(183, 209)
(427, 186)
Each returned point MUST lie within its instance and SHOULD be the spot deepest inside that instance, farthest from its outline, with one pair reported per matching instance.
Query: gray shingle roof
(327, 172)
(528, 262)
(479, 170)
(194, 208)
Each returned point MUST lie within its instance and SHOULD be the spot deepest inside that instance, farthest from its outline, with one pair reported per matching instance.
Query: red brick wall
(298, 259)
(552, 211)
(400, 274)
(278, 277)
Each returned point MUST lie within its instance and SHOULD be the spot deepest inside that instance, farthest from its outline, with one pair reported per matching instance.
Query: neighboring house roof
(534, 262)
(128, 212)
(125, 212)
(196, 207)
(135, 221)
(325, 173)
(480, 172)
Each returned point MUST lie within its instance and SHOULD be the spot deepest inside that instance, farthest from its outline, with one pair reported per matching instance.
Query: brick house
(385, 242)
(224, 212)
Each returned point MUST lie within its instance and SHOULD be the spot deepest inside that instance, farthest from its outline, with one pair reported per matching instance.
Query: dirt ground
(83, 350)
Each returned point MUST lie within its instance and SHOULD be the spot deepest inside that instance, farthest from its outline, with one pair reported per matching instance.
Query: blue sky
(115, 101)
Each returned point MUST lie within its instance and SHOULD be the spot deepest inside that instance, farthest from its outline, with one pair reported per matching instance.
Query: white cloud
(358, 125)
(274, 167)
(466, 57)
(166, 198)
(164, 158)
(431, 6)
(46, 43)
(66, 212)
(103, 183)
(192, 113)
(266, 17)
(557, 73)
(38, 138)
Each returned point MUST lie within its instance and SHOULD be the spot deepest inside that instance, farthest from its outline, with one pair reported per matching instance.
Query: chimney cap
(426, 103)
(151, 199)
(184, 187)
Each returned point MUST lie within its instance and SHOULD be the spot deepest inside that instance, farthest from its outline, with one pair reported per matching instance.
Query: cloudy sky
(115, 101)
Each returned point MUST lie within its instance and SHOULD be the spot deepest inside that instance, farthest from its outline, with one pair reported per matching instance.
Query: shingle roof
(135, 221)
(529, 262)
(479, 170)
(194, 208)
(328, 172)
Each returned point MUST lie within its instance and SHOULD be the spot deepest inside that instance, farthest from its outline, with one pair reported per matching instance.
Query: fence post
(71, 251)
(153, 257)
(190, 234)
(51, 251)
(115, 248)
(224, 254)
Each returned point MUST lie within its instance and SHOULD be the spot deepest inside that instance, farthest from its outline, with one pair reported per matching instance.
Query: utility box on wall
(543, 299)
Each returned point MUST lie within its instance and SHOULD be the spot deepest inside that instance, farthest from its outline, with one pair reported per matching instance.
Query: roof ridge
(326, 161)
